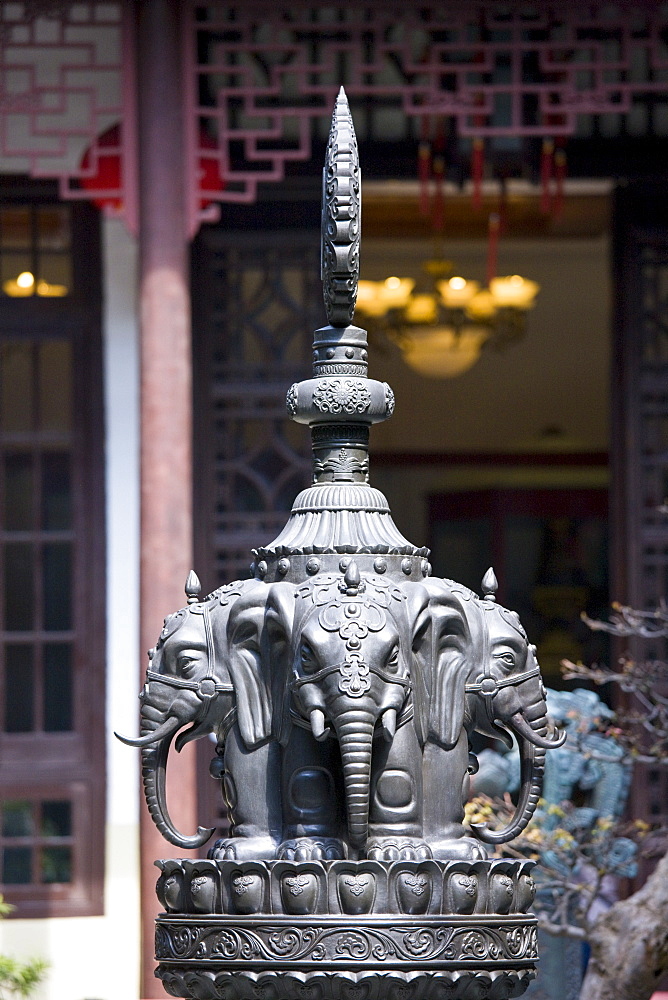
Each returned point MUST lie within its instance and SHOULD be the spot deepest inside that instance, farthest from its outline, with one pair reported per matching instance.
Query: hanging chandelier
(442, 332)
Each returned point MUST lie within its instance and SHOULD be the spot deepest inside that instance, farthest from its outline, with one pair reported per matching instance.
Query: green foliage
(581, 854)
(18, 979)
(578, 863)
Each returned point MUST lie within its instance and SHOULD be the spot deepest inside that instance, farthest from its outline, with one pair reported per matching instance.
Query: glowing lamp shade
(376, 298)
(514, 291)
(483, 305)
(440, 352)
(395, 292)
(457, 292)
(421, 309)
(369, 300)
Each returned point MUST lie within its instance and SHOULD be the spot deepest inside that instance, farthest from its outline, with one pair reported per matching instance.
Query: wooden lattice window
(51, 563)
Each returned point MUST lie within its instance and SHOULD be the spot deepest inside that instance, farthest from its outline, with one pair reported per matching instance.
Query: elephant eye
(505, 659)
(309, 664)
(393, 660)
(187, 663)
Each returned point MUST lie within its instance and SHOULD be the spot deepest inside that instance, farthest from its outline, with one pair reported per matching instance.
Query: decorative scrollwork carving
(291, 399)
(389, 400)
(522, 942)
(356, 944)
(342, 395)
(268, 942)
(422, 943)
(291, 942)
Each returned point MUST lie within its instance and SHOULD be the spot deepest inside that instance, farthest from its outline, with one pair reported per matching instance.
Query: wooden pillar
(166, 395)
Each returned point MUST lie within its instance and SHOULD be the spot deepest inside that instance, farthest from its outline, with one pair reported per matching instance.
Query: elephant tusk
(503, 735)
(522, 727)
(196, 731)
(389, 722)
(318, 727)
(167, 728)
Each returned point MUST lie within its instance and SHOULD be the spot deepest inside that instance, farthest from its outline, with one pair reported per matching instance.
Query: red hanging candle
(560, 168)
(546, 157)
(438, 206)
(493, 228)
(424, 163)
(477, 169)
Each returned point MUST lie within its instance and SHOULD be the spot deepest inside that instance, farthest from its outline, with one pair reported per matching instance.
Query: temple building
(160, 188)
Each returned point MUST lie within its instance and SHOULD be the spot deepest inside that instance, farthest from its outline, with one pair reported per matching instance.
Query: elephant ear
(278, 653)
(451, 648)
(419, 622)
(248, 667)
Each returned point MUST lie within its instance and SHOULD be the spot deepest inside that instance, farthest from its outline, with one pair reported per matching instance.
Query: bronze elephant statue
(349, 688)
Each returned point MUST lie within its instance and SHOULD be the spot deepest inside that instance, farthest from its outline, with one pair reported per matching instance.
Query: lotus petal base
(430, 929)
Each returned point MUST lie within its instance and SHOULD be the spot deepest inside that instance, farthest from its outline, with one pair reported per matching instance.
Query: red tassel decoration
(437, 212)
(546, 175)
(477, 168)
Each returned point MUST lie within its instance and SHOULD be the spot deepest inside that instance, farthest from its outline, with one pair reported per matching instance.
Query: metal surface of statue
(341, 682)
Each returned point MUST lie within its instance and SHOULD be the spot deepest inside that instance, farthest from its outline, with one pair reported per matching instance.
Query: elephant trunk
(354, 729)
(532, 768)
(534, 741)
(535, 732)
(154, 774)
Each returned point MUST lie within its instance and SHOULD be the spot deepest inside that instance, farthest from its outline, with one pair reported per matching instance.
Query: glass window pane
(17, 275)
(55, 385)
(54, 274)
(19, 688)
(58, 698)
(461, 549)
(16, 865)
(17, 820)
(56, 492)
(16, 387)
(53, 227)
(19, 589)
(15, 228)
(56, 864)
(56, 819)
(57, 582)
(18, 492)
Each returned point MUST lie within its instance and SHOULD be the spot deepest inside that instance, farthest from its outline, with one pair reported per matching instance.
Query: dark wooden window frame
(495, 503)
(70, 764)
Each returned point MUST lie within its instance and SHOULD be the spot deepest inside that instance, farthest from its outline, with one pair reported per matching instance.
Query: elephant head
(509, 690)
(188, 684)
(449, 639)
(484, 676)
(340, 648)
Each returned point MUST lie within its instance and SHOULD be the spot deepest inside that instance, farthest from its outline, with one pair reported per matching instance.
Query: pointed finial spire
(340, 402)
(341, 211)
(490, 585)
(193, 587)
